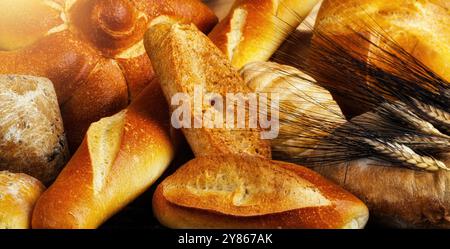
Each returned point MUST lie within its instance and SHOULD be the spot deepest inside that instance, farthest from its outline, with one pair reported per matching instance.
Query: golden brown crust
(66, 41)
(254, 29)
(210, 180)
(420, 27)
(86, 193)
(184, 58)
(396, 196)
(18, 194)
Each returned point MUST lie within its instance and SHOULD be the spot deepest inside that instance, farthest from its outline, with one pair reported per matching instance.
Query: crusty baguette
(396, 196)
(254, 29)
(32, 138)
(184, 58)
(18, 194)
(247, 192)
(120, 157)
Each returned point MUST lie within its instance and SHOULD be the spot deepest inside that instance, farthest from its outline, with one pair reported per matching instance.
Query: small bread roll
(32, 138)
(18, 194)
(253, 192)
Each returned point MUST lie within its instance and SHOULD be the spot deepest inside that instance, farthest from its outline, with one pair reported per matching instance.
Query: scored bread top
(242, 186)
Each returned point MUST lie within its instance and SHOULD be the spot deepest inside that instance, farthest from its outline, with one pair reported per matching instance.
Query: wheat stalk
(403, 113)
(424, 142)
(434, 113)
(405, 155)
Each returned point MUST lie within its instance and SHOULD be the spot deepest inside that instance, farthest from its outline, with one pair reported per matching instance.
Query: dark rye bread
(253, 192)
(183, 57)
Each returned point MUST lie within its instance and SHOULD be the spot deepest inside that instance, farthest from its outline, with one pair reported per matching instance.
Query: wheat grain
(402, 112)
(405, 155)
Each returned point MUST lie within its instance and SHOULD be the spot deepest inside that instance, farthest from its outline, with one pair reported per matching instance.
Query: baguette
(184, 57)
(18, 194)
(32, 138)
(252, 192)
(255, 29)
(120, 157)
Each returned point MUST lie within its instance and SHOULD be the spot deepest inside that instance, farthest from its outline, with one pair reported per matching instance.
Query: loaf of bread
(252, 192)
(120, 157)
(254, 29)
(185, 59)
(300, 97)
(419, 27)
(91, 50)
(32, 138)
(18, 194)
(396, 196)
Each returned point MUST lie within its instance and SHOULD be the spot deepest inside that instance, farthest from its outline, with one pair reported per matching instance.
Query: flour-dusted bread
(18, 194)
(32, 138)
(184, 59)
(253, 192)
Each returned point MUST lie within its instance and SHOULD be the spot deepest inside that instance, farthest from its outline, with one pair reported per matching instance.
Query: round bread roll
(91, 50)
(420, 27)
(18, 194)
(32, 138)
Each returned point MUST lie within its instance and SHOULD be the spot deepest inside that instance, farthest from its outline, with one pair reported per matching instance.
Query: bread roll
(91, 50)
(18, 194)
(32, 138)
(185, 59)
(120, 157)
(247, 192)
(396, 196)
(254, 29)
(420, 27)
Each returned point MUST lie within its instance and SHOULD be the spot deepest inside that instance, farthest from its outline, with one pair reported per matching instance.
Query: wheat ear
(436, 114)
(425, 142)
(406, 155)
(403, 113)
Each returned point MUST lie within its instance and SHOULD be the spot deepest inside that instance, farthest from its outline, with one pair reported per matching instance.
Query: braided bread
(91, 50)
